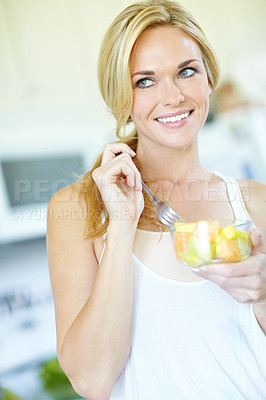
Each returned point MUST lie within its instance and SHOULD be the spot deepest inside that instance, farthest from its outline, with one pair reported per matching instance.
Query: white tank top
(191, 340)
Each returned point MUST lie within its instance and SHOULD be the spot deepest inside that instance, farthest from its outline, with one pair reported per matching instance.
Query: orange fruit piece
(228, 250)
(181, 240)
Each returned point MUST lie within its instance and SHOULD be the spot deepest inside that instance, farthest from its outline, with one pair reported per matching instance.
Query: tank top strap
(235, 197)
(104, 239)
(104, 244)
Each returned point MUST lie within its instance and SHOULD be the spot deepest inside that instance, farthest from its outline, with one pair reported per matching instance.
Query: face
(170, 88)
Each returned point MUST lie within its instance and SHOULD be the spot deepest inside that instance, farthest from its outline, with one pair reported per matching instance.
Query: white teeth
(173, 119)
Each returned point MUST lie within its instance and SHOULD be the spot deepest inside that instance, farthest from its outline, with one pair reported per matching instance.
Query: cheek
(201, 94)
(142, 105)
(136, 105)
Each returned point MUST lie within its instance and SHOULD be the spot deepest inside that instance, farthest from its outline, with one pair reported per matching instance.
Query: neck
(176, 165)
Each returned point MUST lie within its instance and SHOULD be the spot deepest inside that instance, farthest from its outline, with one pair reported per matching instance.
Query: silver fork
(164, 213)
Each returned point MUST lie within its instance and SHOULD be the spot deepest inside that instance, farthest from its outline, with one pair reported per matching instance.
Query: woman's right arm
(94, 305)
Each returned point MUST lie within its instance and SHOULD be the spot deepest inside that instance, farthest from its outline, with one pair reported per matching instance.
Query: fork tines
(169, 218)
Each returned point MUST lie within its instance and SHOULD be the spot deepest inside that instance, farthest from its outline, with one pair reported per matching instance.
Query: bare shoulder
(67, 217)
(69, 197)
(254, 195)
(72, 262)
(256, 191)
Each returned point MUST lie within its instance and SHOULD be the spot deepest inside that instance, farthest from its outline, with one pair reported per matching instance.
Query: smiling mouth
(175, 118)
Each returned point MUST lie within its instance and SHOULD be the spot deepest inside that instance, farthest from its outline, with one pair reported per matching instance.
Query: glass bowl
(207, 242)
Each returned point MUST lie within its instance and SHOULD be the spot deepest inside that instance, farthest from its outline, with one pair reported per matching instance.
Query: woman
(131, 323)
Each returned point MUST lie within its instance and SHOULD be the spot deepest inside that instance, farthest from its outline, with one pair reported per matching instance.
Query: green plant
(55, 381)
(7, 395)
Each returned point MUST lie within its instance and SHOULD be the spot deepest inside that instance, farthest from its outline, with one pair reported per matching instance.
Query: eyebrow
(143, 73)
(185, 63)
(149, 72)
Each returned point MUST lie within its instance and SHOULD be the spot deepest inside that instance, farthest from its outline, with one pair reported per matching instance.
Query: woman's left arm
(246, 281)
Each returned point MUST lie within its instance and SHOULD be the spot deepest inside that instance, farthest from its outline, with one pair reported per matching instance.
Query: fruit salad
(205, 242)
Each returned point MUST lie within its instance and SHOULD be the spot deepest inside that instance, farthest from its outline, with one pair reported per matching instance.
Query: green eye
(185, 73)
(144, 83)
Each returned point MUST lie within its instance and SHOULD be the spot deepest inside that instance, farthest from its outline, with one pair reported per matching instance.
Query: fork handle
(154, 198)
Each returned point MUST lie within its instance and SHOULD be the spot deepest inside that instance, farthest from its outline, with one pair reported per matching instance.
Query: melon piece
(214, 232)
(181, 240)
(245, 236)
(207, 230)
(199, 249)
(243, 246)
(187, 227)
(192, 260)
(228, 250)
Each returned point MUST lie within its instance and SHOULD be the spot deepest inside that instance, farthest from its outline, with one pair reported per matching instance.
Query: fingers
(243, 289)
(119, 183)
(120, 167)
(112, 149)
(245, 281)
(247, 267)
(257, 241)
(123, 167)
(118, 158)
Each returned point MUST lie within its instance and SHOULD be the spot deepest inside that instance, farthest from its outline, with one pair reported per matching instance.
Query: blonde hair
(114, 57)
(116, 87)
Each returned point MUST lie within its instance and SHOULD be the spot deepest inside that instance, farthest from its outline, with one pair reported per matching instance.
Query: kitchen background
(52, 124)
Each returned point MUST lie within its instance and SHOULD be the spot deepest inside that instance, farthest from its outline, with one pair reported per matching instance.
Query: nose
(171, 94)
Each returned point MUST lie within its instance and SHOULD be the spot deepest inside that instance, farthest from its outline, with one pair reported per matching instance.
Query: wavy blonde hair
(116, 87)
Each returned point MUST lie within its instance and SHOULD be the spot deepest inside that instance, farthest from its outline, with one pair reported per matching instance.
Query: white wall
(49, 53)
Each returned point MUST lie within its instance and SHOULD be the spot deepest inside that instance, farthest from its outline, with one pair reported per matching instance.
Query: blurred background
(53, 123)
